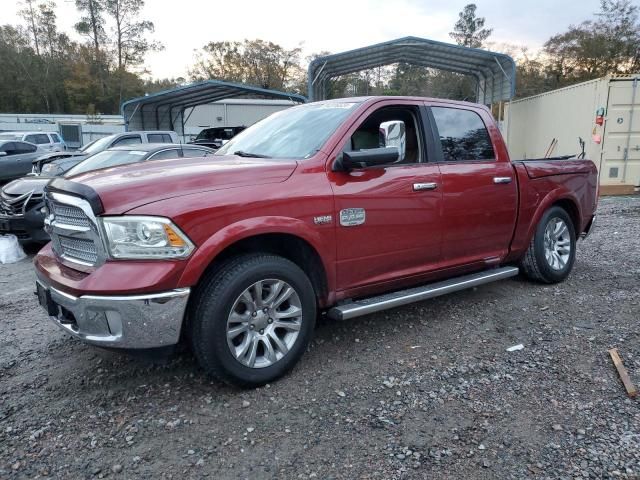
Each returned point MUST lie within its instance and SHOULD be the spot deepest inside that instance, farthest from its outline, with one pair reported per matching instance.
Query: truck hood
(122, 188)
(24, 185)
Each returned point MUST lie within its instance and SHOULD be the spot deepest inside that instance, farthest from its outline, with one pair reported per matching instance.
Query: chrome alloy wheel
(264, 323)
(557, 243)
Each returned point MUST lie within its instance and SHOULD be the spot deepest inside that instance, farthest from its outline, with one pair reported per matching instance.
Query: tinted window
(55, 137)
(165, 154)
(42, 138)
(194, 152)
(296, 132)
(133, 140)
(463, 135)
(106, 159)
(159, 138)
(23, 147)
(8, 148)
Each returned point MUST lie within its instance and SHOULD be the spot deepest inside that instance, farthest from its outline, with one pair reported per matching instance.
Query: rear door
(387, 219)
(479, 203)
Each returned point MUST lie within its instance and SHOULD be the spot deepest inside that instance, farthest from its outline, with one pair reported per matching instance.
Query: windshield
(297, 132)
(106, 159)
(97, 145)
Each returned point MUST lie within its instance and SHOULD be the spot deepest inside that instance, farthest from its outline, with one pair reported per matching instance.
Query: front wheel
(253, 319)
(552, 251)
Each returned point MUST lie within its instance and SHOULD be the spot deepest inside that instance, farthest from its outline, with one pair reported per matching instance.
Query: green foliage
(255, 62)
(469, 30)
(43, 70)
(608, 45)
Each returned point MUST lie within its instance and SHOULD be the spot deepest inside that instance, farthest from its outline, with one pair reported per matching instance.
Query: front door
(387, 218)
(480, 196)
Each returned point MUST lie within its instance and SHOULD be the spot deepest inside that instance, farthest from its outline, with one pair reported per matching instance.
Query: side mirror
(372, 157)
(393, 134)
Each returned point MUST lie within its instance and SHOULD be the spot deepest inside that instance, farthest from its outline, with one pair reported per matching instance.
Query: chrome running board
(417, 294)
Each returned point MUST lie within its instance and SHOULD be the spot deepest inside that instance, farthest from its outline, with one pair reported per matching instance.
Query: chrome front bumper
(127, 321)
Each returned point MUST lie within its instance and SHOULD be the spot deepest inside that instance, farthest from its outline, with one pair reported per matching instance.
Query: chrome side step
(416, 294)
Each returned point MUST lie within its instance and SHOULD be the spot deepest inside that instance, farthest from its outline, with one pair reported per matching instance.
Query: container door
(621, 146)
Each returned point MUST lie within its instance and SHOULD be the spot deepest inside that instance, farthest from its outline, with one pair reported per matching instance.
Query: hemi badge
(350, 217)
(322, 219)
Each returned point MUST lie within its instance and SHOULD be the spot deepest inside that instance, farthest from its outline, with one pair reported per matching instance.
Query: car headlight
(51, 169)
(137, 237)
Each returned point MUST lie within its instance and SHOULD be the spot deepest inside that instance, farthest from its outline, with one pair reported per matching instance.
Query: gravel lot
(426, 391)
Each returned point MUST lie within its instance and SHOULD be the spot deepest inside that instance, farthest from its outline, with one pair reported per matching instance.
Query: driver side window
(367, 136)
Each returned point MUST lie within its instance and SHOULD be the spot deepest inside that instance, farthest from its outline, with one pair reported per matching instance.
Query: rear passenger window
(159, 138)
(463, 135)
(41, 139)
(194, 152)
(165, 154)
(128, 140)
(24, 147)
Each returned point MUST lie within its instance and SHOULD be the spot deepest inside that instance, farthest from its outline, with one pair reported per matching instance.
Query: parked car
(22, 211)
(217, 136)
(350, 206)
(46, 141)
(57, 164)
(15, 158)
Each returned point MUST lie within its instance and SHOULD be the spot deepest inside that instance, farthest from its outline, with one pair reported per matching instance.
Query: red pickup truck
(347, 206)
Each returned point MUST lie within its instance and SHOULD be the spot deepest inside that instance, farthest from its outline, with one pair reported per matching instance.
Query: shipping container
(604, 113)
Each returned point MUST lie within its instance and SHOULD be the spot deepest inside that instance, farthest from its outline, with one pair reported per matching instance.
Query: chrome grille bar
(74, 231)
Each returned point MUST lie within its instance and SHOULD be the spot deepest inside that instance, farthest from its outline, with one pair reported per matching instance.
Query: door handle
(417, 187)
(502, 179)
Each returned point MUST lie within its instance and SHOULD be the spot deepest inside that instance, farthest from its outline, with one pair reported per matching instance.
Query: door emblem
(350, 217)
(322, 219)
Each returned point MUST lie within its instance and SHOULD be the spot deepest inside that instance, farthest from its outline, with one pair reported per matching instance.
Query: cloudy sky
(333, 25)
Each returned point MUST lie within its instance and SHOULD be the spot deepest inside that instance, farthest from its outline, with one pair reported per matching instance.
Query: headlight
(145, 237)
(51, 169)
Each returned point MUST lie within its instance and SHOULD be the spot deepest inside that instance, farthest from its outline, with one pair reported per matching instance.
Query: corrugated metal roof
(495, 72)
(165, 110)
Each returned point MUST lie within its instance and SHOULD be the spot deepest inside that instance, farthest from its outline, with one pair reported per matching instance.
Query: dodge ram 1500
(346, 206)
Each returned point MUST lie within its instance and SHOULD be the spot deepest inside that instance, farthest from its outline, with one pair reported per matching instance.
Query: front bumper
(124, 321)
(28, 228)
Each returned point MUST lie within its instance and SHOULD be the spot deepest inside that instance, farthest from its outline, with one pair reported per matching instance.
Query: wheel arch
(288, 238)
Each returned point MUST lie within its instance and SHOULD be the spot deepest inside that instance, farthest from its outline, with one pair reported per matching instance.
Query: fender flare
(251, 227)
(552, 197)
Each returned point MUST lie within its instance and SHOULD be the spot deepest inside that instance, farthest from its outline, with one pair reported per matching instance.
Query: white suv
(46, 141)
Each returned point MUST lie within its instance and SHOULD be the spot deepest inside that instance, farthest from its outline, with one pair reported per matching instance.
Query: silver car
(46, 141)
(16, 158)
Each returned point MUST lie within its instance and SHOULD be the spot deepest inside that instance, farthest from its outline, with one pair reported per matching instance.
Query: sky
(327, 25)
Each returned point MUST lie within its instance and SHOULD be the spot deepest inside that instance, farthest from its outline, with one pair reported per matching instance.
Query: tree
(91, 23)
(469, 30)
(608, 45)
(130, 42)
(256, 62)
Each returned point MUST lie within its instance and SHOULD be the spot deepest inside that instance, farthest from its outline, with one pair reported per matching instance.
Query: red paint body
(468, 223)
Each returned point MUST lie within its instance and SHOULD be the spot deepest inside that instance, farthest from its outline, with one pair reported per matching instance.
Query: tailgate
(547, 168)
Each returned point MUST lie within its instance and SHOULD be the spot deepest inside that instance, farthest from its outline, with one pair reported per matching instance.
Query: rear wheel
(550, 256)
(253, 319)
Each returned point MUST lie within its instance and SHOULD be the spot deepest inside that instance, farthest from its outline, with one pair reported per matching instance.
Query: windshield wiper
(241, 153)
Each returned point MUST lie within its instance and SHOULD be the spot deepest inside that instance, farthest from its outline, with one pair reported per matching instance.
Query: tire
(222, 306)
(540, 263)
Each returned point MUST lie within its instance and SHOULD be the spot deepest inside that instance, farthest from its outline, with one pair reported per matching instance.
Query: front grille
(15, 205)
(74, 233)
(69, 215)
(79, 249)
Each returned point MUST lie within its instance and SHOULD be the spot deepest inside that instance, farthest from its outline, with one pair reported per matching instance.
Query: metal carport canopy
(495, 73)
(165, 110)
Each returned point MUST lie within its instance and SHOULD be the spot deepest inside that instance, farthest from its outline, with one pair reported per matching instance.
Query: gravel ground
(426, 391)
